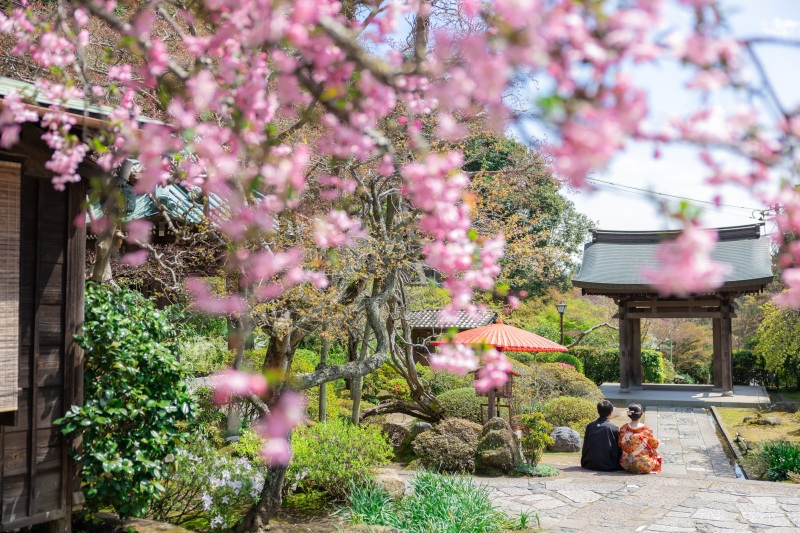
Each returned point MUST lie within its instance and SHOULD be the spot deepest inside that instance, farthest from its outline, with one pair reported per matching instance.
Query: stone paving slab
(697, 490)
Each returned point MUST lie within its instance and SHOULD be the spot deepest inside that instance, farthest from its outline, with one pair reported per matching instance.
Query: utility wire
(649, 192)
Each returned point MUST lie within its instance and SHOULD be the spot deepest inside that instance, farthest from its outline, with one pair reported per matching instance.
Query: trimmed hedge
(602, 366)
(569, 411)
(462, 403)
(566, 358)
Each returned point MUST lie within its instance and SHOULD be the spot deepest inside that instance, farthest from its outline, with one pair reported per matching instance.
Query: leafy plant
(535, 436)
(539, 470)
(543, 381)
(567, 411)
(568, 359)
(781, 458)
(203, 355)
(462, 403)
(441, 382)
(207, 490)
(331, 456)
(249, 445)
(136, 401)
(602, 366)
(441, 503)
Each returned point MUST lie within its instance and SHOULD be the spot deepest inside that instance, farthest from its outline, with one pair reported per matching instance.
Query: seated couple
(631, 448)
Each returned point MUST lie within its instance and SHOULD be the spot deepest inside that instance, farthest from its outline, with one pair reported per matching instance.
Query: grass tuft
(438, 502)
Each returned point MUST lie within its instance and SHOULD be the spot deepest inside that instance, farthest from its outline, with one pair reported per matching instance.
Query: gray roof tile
(431, 319)
(614, 260)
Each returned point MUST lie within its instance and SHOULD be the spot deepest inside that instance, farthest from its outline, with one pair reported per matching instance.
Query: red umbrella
(504, 338)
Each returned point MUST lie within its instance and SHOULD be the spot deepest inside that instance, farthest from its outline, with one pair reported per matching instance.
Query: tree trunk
(358, 383)
(257, 518)
(323, 388)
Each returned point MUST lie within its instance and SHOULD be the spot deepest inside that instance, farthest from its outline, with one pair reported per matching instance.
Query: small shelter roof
(613, 261)
(433, 319)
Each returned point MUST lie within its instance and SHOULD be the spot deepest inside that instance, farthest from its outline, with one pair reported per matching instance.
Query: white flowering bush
(208, 490)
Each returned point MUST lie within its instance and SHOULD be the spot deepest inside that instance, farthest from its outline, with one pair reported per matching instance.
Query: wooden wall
(37, 478)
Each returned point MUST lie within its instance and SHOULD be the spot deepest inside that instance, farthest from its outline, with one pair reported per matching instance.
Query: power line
(647, 192)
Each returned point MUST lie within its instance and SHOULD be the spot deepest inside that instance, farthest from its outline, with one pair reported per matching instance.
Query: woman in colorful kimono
(638, 445)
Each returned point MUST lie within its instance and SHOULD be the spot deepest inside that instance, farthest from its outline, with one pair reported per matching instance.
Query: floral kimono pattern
(639, 455)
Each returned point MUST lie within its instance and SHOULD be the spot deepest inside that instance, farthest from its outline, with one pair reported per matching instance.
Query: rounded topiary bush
(462, 403)
(569, 411)
(541, 382)
(567, 358)
(449, 446)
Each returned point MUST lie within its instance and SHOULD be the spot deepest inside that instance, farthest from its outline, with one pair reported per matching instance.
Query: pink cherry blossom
(686, 266)
(493, 372)
(455, 358)
(135, 259)
(230, 383)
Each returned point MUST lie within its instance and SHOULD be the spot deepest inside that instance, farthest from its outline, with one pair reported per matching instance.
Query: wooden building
(428, 324)
(41, 368)
(612, 265)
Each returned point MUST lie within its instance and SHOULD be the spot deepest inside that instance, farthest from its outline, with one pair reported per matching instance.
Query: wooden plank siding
(37, 476)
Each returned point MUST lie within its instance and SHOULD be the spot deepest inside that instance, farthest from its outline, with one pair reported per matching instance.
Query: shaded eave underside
(609, 289)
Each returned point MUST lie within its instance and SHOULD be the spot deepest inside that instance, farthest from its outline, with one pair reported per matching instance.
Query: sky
(677, 171)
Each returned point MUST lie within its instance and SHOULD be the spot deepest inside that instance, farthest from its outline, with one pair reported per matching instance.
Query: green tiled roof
(75, 105)
(613, 261)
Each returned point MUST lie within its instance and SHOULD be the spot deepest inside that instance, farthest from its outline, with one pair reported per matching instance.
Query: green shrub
(781, 459)
(306, 361)
(449, 446)
(535, 436)
(136, 400)
(248, 446)
(653, 370)
(566, 358)
(399, 389)
(543, 381)
(329, 457)
(438, 382)
(204, 355)
(462, 403)
(207, 490)
(378, 382)
(569, 411)
(542, 470)
(602, 366)
(439, 503)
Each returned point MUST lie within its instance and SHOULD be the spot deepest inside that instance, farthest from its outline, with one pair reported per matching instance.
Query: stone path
(696, 492)
(579, 500)
(689, 442)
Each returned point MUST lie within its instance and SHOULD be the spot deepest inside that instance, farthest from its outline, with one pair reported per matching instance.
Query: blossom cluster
(265, 64)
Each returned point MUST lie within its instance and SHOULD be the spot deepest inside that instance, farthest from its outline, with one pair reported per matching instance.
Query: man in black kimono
(600, 444)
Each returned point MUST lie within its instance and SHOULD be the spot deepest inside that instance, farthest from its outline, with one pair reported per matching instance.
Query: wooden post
(624, 350)
(635, 334)
(492, 406)
(717, 363)
(726, 336)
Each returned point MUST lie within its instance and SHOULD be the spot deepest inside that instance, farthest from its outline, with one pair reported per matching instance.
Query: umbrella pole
(492, 409)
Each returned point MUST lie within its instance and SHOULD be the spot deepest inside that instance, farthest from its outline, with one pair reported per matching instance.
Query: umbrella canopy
(504, 338)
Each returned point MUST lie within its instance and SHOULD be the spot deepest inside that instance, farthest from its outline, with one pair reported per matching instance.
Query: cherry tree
(258, 98)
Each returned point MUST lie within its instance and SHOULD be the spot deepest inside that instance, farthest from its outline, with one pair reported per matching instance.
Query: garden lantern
(562, 308)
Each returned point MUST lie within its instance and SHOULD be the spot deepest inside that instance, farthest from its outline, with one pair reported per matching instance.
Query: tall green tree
(778, 341)
(516, 194)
